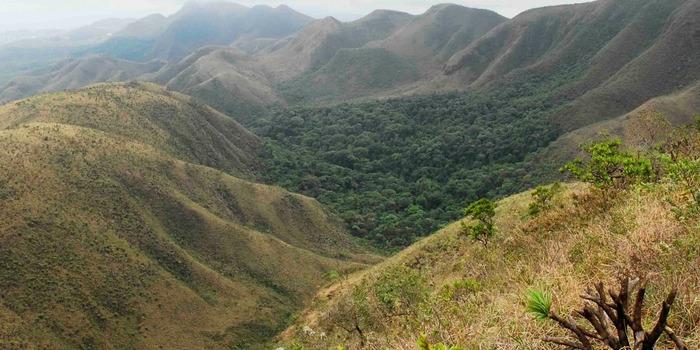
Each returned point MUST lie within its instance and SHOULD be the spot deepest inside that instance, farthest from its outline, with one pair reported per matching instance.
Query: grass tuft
(539, 303)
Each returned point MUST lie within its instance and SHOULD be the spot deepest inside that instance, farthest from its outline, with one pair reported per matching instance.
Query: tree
(682, 159)
(483, 211)
(615, 318)
(608, 166)
(542, 198)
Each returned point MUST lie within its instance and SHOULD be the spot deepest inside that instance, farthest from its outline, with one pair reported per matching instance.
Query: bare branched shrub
(615, 319)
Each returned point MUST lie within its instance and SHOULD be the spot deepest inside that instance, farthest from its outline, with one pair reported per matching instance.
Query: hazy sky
(39, 14)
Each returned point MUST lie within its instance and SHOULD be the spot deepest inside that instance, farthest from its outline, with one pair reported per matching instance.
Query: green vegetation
(609, 166)
(539, 303)
(483, 211)
(542, 199)
(351, 73)
(399, 169)
(473, 298)
(424, 345)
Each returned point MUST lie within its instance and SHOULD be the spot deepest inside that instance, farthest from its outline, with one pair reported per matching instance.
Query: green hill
(383, 53)
(352, 73)
(114, 235)
(149, 114)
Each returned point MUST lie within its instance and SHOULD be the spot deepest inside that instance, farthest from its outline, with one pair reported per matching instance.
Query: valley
(250, 177)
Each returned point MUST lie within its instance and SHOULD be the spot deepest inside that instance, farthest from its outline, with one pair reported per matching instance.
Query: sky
(67, 14)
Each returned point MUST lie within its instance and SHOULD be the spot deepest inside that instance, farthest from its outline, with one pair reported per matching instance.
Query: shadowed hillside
(108, 240)
(605, 57)
(412, 51)
(226, 78)
(220, 23)
(75, 74)
(319, 42)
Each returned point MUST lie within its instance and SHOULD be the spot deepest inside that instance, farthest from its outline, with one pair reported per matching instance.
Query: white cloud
(24, 14)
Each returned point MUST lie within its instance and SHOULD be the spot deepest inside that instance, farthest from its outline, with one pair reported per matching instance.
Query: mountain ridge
(119, 235)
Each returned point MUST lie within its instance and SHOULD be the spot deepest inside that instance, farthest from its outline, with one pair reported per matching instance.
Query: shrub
(460, 289)
(542, 199)
(612, 316)
(608, 166)
(483, 211)
(400, 291)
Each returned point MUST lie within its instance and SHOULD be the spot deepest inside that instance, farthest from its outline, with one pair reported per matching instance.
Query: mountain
(11, 36)
(596, 56)
(123, 228)
(74, 74)
(469, 295)
(26, 56)
(226, 78)
(99, 30)
(223, 23)
(318, 42)
(433, 37)
(196, 25)
(659, 114)
(149, 27)
(408, 51)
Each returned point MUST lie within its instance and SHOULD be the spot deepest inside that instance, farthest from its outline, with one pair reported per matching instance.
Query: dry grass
(589, 237)
(149, 114)
(109, 241)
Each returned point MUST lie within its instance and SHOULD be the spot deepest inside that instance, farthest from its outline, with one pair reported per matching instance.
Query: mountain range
(235, 177)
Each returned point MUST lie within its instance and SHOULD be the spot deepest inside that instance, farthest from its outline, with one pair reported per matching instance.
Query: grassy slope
(74, 74)
(224, 78)
(352, 73)
(171, 122)
(598, 60)
(678, 109)
(666, 66)
(109, 242)
(386, 51)
(563, 250)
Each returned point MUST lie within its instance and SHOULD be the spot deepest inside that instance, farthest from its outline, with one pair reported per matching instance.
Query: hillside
(599, 59)
(368, 57)
(226, 78)
(73, 74)
(463, 293)
(114, 236)
(643, 127)
(352, 73)
(149, 114)
(433, 37)
(319, 41)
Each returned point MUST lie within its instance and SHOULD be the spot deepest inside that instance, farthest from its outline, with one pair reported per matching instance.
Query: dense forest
(398, 169)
